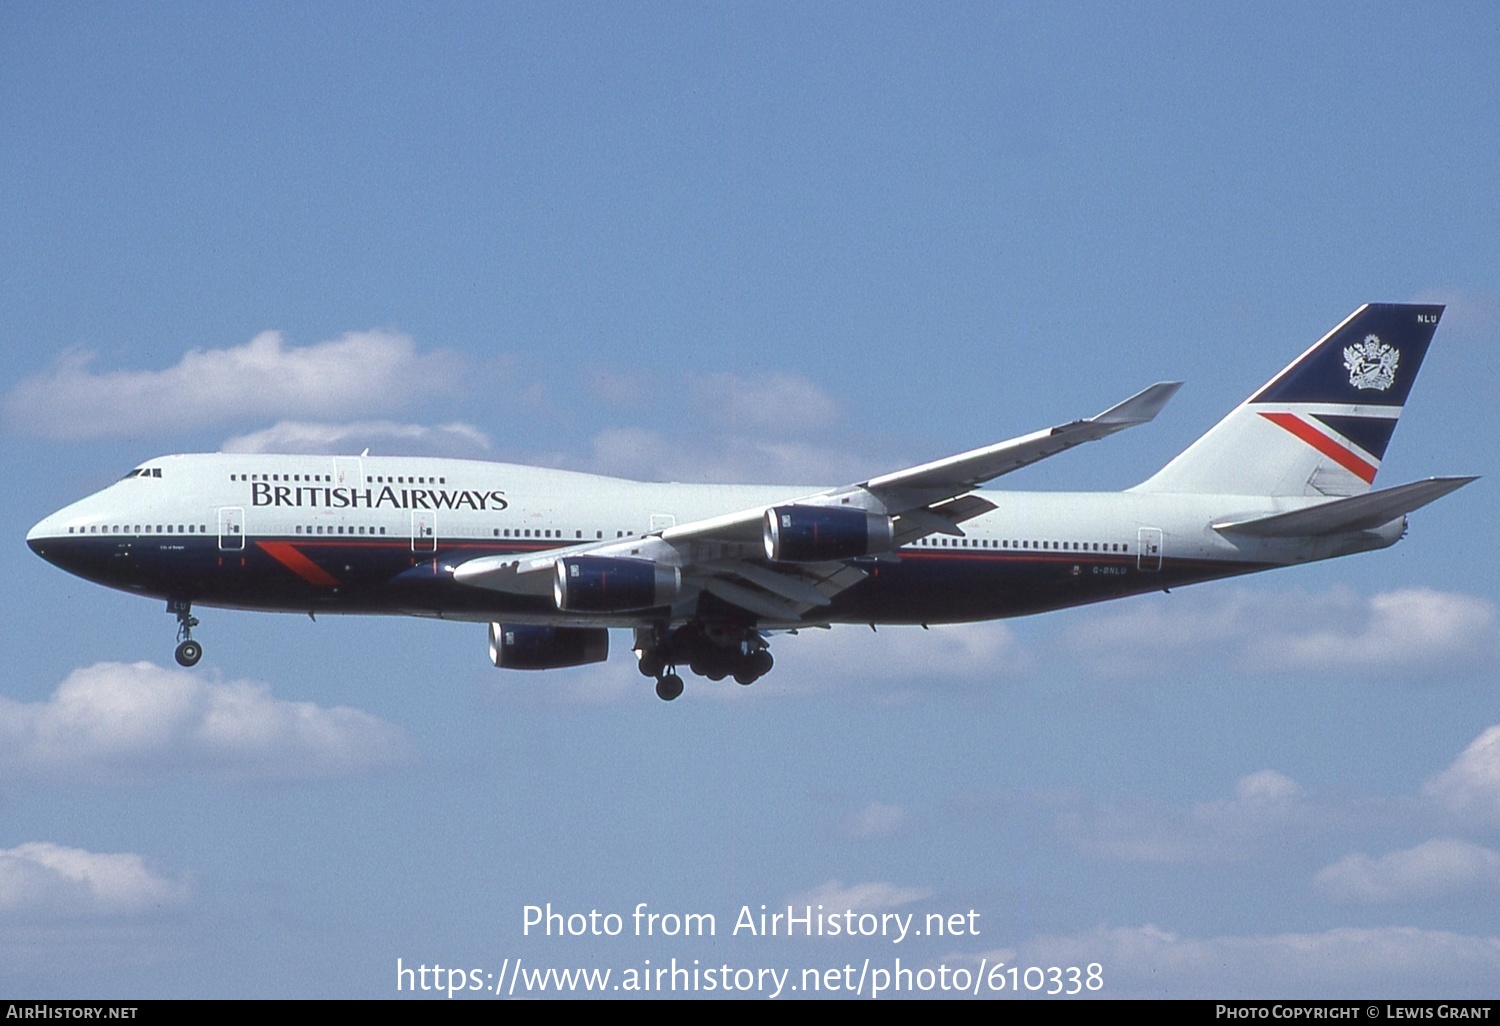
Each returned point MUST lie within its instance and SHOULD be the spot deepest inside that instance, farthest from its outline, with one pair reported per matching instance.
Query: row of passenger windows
(340, 529)
(308, 478)
(519, 532)
(1008, 543)
(142, 529)
(543, 532)
(281, 477)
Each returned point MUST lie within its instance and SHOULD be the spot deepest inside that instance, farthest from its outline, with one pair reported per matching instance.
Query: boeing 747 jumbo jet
(702, 574)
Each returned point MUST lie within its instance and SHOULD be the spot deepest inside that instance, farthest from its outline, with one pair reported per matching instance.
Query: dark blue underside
(377, 576)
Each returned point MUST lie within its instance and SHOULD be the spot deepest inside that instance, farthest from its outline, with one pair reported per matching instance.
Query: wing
(726, 556)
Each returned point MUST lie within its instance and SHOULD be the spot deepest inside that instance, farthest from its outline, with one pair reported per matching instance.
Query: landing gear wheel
(188, 653)
(756, 666)
(668, 687)
(188, 650)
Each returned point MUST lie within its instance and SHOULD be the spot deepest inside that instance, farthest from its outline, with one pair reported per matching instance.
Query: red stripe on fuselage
(1360, 468)
(288, 556)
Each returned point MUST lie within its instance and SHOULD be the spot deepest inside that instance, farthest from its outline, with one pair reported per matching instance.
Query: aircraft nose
(45, 531)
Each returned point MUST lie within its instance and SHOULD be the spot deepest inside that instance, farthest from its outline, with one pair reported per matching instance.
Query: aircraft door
(231, 528)
(347, 472)
(1148, 556)
(423, 530)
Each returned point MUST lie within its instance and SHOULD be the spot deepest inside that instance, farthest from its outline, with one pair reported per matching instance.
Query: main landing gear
(709, 651)
(188, 651)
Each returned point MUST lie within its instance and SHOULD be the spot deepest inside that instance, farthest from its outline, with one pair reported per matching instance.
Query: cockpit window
(143, 472)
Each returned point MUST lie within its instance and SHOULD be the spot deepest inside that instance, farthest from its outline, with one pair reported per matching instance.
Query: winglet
(1139, 408)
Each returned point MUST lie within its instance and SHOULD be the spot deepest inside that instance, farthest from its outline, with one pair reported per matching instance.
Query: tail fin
(1320, 427)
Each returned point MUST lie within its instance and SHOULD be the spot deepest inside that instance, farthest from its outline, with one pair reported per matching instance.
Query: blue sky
(742, 242)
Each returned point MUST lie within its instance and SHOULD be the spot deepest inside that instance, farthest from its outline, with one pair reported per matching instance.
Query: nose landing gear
(188, 651)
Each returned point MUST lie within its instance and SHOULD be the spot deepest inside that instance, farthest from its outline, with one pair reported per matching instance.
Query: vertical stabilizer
(1320, 427)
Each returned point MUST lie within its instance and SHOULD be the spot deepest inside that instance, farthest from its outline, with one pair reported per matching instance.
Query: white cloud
(1148, 962)
(50, 880)
(382, 437)
(836, 896)
(117, 722)
(1471, 316)
(876, 820)
(357, 373)
(1436, 869)
(1413, 632)
(1469, 790)
(970, 654)
(775, 404)
(1267, 809)
(649, 455)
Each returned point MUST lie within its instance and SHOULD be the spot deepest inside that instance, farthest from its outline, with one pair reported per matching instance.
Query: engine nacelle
(530, 647)
(812, 534)
(604, 584)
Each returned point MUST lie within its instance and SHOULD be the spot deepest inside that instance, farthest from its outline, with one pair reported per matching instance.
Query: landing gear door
(1148, 556)
(231, 528)
(423, 531)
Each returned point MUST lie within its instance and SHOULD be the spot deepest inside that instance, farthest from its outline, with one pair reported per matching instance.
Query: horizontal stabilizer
(1356, 513)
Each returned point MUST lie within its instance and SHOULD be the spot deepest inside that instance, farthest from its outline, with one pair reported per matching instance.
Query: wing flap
(942, 518)
(793, 588)
(757, 602)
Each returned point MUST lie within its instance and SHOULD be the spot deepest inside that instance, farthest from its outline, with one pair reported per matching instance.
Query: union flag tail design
(1320, 427)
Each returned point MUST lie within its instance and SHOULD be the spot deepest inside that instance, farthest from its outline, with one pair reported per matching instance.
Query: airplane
(703, 574)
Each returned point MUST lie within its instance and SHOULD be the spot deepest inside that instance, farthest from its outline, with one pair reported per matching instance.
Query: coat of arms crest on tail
(1371, 363)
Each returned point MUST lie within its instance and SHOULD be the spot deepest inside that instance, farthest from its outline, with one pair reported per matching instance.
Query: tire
(669, 687)
(188, 653)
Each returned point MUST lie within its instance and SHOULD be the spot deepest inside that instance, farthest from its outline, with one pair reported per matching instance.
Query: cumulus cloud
(1268, 809)
(777, 404)
(43, 879)
(117, 722)
(875, 896)
(1146, 961)
(876, 820)
(1471, 316)
(1439, 868)
(648, 454)
(1413, 632)
(769, 404)
(357, 373)
(382, 437)
(1469, 790)
(755, 429)
(968, 654)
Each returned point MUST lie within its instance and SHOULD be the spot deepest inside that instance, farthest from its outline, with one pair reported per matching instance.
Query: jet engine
(529, 647)
(812, 534)
(605, 584)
